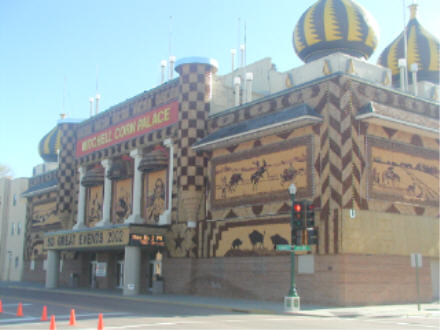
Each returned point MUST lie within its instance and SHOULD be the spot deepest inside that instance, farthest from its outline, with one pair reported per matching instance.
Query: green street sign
(284, 247)
(301, 248)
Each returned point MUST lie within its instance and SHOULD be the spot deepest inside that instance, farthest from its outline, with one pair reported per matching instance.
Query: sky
(56, 54)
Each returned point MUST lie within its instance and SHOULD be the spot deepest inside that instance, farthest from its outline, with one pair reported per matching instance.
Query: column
(132, 270)
(81, 201)
(107, 207)
(196, 76)
(165, 218)
(135, 216)
(52, 269)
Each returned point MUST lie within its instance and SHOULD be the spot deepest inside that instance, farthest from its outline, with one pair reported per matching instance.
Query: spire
(412, 11)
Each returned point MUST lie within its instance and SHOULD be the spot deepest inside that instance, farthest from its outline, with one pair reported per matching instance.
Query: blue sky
(52, 50)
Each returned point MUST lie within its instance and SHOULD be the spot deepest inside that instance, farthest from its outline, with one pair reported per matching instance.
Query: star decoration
(179, 240)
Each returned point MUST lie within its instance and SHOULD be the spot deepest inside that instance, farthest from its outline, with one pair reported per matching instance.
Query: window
(14, 200)
(12, 229)
(19, 228)
(16, 262)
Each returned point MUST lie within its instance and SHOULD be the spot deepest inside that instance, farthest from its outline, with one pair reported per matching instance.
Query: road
(140, 314)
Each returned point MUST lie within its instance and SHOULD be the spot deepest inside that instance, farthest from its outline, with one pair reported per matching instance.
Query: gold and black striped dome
(50, 144)
(422, 48)
(331, 26)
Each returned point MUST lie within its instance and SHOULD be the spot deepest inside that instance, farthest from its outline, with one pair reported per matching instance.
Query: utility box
(291, 304)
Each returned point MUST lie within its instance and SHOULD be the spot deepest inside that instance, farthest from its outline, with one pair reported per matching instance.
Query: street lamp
(292, 291)
(292, 191)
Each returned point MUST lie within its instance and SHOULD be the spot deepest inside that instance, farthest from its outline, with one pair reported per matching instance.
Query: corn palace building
(184, 188)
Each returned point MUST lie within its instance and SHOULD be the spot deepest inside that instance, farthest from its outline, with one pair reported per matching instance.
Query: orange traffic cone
(72, 320)
(44, 314)
(100, 322)
(20, 309)
(1, 306)
(52, 323)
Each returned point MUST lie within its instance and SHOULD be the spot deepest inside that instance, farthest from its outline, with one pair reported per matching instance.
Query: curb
(152, 300)
(241, 309)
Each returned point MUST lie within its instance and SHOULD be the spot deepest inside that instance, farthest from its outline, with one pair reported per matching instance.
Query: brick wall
(36, 275)
(338, 279)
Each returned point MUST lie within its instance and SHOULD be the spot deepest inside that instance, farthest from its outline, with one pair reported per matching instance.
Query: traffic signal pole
(292, 291)
(303, 233)
(292, 300)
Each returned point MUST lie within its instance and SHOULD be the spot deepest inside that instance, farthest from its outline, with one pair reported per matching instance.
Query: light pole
(9, 264)
(292, 291)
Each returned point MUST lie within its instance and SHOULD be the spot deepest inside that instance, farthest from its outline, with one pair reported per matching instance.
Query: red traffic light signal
(298, 213)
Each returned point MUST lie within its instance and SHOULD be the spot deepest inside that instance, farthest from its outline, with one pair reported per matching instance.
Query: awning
(153, 161)
(290, 118)
(121, 169)
(399, 119)
(42, 183)
(93, 177)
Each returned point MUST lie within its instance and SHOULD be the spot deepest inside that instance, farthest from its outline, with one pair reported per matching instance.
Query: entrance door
(93, 274)
(155, 281)
(120, 274)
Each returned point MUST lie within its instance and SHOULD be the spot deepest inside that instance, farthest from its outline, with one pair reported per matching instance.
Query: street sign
(416, 260)
(284, 247)
(301, 248)
(297, 248)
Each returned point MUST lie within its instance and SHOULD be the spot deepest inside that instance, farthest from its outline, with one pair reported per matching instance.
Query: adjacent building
(12, 227)
(184, 188)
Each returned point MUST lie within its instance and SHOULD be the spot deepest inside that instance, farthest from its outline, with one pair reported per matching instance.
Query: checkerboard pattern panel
(66, 170)
(193, 113)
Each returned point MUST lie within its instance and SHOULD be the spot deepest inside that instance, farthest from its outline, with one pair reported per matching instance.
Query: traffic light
(298, 214)
(310, 215)
(297, 222)
(311, 233)
(312, 236)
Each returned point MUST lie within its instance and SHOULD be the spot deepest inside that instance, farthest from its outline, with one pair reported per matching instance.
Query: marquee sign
(153, 120)
(147, 240)
(87, 239)
(92, 238)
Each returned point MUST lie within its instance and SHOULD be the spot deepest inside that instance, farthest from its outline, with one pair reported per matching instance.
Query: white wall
(13, 229)
(4, 210)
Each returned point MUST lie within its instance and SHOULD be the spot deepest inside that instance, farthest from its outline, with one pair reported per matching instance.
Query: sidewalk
(253, 306)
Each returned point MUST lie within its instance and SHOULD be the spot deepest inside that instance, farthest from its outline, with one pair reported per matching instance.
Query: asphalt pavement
(252, 306)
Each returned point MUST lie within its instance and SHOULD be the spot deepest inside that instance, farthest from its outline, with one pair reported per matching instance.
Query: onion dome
(153, 161)
(422, 48)
(331, 26)
(93, 177)
(50, 145)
